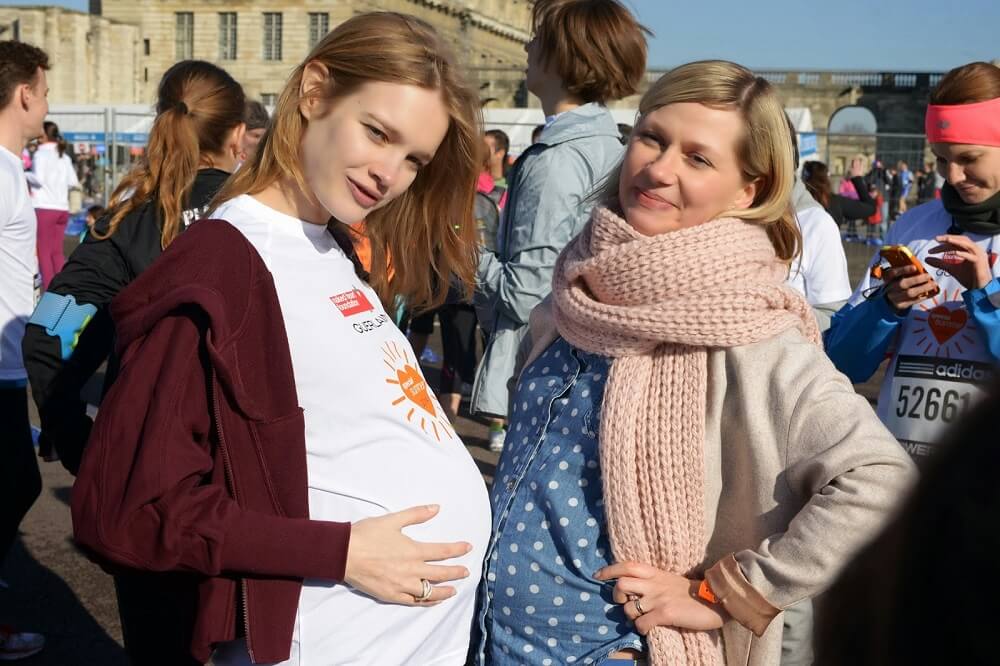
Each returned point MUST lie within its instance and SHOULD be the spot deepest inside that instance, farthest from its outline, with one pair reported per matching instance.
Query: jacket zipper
(230, 477)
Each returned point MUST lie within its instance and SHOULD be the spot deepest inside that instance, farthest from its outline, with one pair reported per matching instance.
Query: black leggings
(157, 612)
(20, 480)
(458, 340)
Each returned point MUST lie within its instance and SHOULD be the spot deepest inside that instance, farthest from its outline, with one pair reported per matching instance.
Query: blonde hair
(765, 154)
(428, 232)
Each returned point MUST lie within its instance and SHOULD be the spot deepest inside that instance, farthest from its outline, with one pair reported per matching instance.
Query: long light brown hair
(428, 232)
(764, 153)
(198, 105)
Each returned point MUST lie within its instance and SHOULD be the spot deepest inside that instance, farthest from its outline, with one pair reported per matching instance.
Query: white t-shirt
(940, 360)
(820, 272)
(56, 175)
(18, 263)
(377, 442)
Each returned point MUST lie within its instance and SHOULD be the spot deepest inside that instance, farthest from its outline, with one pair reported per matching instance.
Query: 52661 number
(930, 404)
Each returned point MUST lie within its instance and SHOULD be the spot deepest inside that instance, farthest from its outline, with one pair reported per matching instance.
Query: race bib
(928, 394)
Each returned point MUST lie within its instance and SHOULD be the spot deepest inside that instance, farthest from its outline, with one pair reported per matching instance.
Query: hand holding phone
(907, 282)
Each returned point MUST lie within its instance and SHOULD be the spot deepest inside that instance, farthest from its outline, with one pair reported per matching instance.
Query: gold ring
(426, 590)
(638, 606)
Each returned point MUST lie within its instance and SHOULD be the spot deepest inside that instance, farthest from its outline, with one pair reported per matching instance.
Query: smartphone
(897, 256)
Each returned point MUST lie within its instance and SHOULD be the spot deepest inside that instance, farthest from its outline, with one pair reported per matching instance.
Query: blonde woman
(271, 440)
(683, 460)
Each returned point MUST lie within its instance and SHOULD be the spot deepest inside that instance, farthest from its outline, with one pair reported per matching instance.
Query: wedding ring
(427, 590)
(638, 606)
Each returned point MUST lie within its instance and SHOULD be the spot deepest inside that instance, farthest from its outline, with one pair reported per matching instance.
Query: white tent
(519, 123)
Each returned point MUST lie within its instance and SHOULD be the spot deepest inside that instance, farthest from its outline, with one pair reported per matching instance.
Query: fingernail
(598, 573)
(433, 507)
(466, 574)
(468, 547)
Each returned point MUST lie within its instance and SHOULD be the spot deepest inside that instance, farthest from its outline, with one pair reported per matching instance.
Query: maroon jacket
(197, 459)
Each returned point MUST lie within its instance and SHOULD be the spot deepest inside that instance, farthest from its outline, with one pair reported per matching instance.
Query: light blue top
(547, 205)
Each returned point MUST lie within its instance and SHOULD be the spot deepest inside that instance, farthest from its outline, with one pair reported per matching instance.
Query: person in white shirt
(23, 106)
(376, 125)
(54, 171)
(820, 272)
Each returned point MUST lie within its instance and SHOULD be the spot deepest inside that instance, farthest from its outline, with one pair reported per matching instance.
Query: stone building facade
(94, 58)
(260, 41)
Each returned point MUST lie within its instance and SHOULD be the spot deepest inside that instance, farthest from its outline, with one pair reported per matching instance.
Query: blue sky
(922, 35)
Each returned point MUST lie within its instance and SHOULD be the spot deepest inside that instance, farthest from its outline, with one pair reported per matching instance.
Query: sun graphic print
(943, 329)
(415, 397)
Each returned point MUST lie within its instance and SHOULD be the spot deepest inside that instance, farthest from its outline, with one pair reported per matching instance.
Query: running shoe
(496, 439)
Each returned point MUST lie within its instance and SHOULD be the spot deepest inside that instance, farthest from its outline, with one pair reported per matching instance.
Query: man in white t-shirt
(23, 106)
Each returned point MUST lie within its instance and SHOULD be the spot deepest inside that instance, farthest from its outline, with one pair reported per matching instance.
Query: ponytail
(51, 131)
(199, 104)
(171, 166)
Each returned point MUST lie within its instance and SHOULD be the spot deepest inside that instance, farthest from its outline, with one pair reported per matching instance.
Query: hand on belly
(391, 567)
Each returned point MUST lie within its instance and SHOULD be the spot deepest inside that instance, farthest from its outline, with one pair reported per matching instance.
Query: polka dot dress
(539, 601)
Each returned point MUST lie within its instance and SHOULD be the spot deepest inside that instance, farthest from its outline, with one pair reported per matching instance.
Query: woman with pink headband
(943, 342)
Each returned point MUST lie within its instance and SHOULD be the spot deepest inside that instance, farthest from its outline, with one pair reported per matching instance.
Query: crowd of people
(670, 340)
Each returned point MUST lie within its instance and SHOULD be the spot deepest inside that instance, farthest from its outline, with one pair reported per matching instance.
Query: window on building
(184, 35)
(319, 25)
(272, 36)
(145, 47)
(269, 99)
(227, 35)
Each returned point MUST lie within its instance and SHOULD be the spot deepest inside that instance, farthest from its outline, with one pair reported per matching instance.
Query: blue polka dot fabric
(539, 602)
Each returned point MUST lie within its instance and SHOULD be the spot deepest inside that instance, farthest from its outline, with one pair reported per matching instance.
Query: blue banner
(131, 138)
(807, 144)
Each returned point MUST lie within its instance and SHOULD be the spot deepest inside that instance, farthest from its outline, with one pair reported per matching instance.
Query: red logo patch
(352, 302)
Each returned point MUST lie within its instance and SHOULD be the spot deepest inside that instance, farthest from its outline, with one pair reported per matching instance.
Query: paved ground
(56, 590)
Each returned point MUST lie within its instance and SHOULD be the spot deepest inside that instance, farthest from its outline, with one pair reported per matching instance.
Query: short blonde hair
(765, 154)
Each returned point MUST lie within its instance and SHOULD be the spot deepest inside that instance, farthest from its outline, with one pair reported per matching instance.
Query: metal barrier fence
(837, 149)
(103, 143)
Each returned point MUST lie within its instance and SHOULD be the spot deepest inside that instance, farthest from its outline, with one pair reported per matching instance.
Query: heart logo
(945, 323)
(415, 388)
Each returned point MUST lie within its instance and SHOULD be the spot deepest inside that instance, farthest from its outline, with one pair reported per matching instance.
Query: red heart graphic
(415, 388)
(946, 323)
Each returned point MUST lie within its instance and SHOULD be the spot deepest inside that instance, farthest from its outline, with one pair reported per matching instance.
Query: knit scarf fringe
(656, 305)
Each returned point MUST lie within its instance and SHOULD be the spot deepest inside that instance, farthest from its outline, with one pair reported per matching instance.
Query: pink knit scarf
(656, 305)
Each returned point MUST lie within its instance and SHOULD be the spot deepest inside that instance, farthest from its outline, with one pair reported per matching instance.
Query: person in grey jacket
(574, 74)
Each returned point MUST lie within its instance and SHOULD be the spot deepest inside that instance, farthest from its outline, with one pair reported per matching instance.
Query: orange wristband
(706, 594)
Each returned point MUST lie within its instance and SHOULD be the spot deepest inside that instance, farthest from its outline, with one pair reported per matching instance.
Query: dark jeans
(20, 480)
(157, 612)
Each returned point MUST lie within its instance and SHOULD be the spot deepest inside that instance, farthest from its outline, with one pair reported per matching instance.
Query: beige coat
(800, 474)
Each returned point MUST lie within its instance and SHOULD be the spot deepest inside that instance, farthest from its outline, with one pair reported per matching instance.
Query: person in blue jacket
(574, 73)
(941, 328)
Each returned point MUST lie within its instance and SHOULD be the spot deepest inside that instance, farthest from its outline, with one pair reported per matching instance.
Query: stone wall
(93, 59)
(483, 32)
